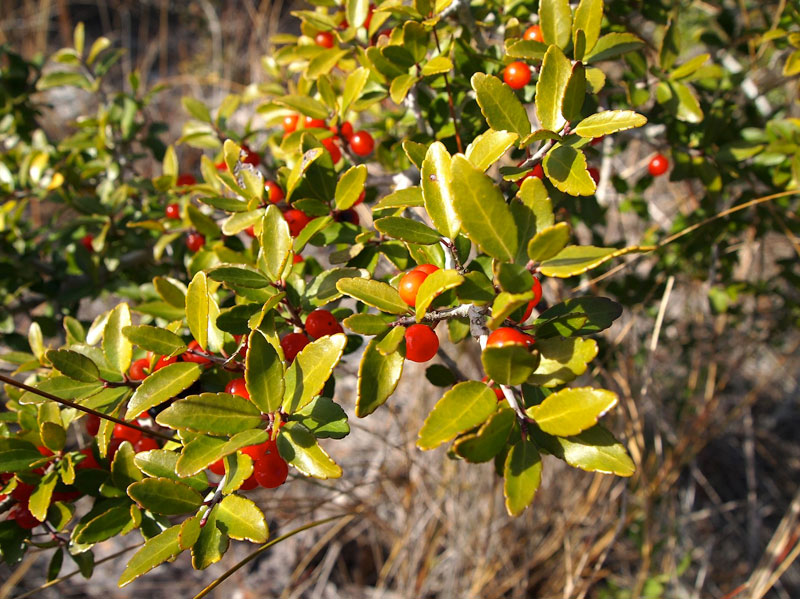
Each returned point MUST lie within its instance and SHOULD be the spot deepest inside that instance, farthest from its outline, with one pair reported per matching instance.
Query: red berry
(194, 241)
(312, 123)
(594, 174)
(145, 444)
(271, 470)
(537, 296)
(347, 216)
(274, 192)
(292, 344)
(188, 356)
(250, 483)
(86, 241)
(113, 446)
(185, 179)
(237, 387)
(251, 157)
(23, 517)
(368, 20)
(173, 211)
(597, 140)
(89, 461)
(508, 336)
(533, 34)
(409, 286)
(324, 39)
(659, 164)
(164, 361)
(321, 322)
(138, 370)
(256, 452)
(92, 424)
(421, 343)
(222, 166)
(22, 492)
(517, 74)
(333, 148)
(537, 171)
(290, 123)
(250, 231)
(218, 467)
(125, 433)
(297, 221)
(497, 390)
(297, 259)
(346, 130)
(362, 143)
(361, 197)
(426, 268)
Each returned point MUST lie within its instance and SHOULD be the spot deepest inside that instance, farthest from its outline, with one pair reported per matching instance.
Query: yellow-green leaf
(571, 411)
(577, 259)
(310, 370)
(437, 190)
(522, 475)
(566, 168)
(609, 121)
(462, 408)
(489, 147)
(553, 79)
(548, 242)
(500, 106)
(299, 447)
(562, 360)
(162, 385)
(156, 550)
(378, 376)
(434, 285)
(243, 519)
(373, 293)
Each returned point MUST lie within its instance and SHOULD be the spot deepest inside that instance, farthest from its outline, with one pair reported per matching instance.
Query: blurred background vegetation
(705, 360)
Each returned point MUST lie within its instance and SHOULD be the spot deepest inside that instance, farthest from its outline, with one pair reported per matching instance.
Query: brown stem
(72, 404)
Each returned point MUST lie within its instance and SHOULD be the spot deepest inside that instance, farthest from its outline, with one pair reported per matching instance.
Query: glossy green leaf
(324, 62)
(243, 520)
(373, 293)
(489, 147)
(562, 360)
(588, 18)
(353, 88)
(505, 304)
(533, 194)
(490, 439)
(162, 385)
(476, 288)
(276, 242)
(528, 49)
(367, 324)
(305, 105)
(408, 230)
(434, 285)
(548, 242)
(116, 347)
(156, 550)
(238, 468)
(239, 274)
(159, 341)
(578, 316)
(577, 259)
(400, 87)
(574, 93)
(550, 88)
(299, 447)
(378, 376)
(462, 408)
(214, 413)
(437, 66)
(300, 168)
(324, 418)
(609, 121)
(555, 18)
(595, 450)
(212, 543)
(350, 186)
(484, 214)
(123, 469)
(105, 525)
(197, 308)
(522, 475)
(566, 168)
(162, 463)
(74, 365)
(509, 365)
(264, 373)
(202, 450)
(311, 368)
(171, 290)
(390, 342)
(500, 106)
(165, 496)
(612, 45)
(570, 411)
(41, 497)
(437, 190)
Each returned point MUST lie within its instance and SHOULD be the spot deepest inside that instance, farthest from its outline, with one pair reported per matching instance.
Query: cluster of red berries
(361, 143)
(270, 470)
(421, 341)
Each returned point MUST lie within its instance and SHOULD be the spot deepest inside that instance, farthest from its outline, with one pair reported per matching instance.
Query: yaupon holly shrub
(248, 281)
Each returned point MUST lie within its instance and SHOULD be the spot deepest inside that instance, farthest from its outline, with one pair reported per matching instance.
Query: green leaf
(239, 274)
(509, 365)
(588, 17)
(489, 147)
(578, 316)
(434, 285)
(462, 408)
(123, 469)
(595, 450)
(299, 447)
(41, 497)
(400, 87)
(378, 376)
(162, 385)
(562, 360)
(476, 288)
(310, 370)
(324, 418)
(690, 67)
(105, 525)
(437, 190)
(350, 186)
(391, 341)
(500, 106)
(533, 194)
(612, 45)
(300, 168)
(505, 304)
(555, 17)
(353, 88)
(367, 324)
(548, 242)
(485, 216)
(161, 463)
(165, 496)
(197, 308)
(214, 413)
(490, 439)
(323, 289)
(416, 39)
(203, 451)
(408, 230)
(100, 44)
(59, 78)
(212, 543)
(159, 341)
(577, 259)
(550, 88)
(513, 278)
(157, 550)
(522, 475)
(574, 93)
(357, 11)
(680, 99)
(566, 168)
(238, 468)
(373, 293)
(264, 373)
(243, 520)
(74, 365)
(171, 290)
(18, 459)
(609, 121)
(305, 105)
(276, 242)
(570, 411)
(528, 49)
(437, 66)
